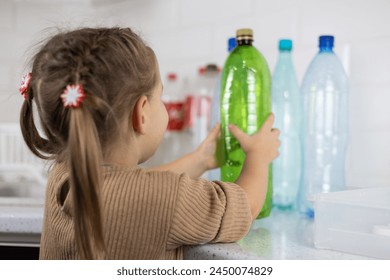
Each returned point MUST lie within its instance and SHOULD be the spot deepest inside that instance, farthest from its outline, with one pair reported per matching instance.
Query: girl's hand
(261, 149)
(264, 143)
(199, 161)
(207, 149)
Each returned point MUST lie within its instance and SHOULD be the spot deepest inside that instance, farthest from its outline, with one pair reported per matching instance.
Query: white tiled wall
(188, 33)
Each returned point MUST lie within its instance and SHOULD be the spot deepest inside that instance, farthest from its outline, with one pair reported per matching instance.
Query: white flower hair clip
(73, 96)
(26, 80)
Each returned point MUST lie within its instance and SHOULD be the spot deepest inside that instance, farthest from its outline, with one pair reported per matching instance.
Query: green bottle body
(245, 102)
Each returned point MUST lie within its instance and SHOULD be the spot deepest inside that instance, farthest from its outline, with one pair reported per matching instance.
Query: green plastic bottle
(245, 102)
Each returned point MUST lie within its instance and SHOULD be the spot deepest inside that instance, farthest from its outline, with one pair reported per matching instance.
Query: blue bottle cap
(285, 45)
(232, 43)
(326, 42)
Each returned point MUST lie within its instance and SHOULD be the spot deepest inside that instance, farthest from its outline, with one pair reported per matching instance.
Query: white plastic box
(354, 221)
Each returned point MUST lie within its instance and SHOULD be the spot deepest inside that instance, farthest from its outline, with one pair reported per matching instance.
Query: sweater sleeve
(208, 212)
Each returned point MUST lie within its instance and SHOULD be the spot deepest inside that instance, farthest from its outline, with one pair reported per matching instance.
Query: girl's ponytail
(85, 157)
(38, 145)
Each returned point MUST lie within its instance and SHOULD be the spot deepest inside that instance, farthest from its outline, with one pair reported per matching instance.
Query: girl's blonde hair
(114, 67)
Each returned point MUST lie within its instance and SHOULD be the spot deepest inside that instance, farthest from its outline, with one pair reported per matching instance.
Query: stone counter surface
(20, 221)
(283, 235)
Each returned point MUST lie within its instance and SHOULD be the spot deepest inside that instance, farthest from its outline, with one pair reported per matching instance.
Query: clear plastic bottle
(245, 102)
(198, 103)
(286, 105)
(215, 117)
(325, 125)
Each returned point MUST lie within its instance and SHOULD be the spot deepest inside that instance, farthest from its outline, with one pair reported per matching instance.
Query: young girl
(98, 97)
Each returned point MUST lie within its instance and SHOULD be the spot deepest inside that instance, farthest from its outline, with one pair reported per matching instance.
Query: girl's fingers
(238, 134)
(276, 131)
(269, 122)
(214, 133)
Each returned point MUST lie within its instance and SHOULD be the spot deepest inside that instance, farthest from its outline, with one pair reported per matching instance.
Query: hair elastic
(26, 80)
(73, 96)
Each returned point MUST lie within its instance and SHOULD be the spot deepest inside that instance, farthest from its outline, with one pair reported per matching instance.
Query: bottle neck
(324, 49)
(244, 42)
(284, 53)
(284, 60)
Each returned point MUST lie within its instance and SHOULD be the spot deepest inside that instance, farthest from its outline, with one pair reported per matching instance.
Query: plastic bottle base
(288, 207)
(309, 213)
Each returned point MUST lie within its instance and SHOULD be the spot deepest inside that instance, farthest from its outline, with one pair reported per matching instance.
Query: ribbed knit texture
(148, 214)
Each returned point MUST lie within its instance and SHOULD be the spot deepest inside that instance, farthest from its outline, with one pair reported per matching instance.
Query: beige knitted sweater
(148, 214)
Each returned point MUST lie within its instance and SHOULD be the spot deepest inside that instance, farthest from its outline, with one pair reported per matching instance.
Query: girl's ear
(140, 113)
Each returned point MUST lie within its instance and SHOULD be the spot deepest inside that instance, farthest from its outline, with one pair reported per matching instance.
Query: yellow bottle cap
(247, 32)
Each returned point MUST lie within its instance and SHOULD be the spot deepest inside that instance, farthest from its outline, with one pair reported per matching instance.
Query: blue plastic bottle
(286, 105)
(325, 125)
(215, 118)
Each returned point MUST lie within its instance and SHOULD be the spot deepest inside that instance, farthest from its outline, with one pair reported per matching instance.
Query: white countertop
(20, 221)
(283, 235)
